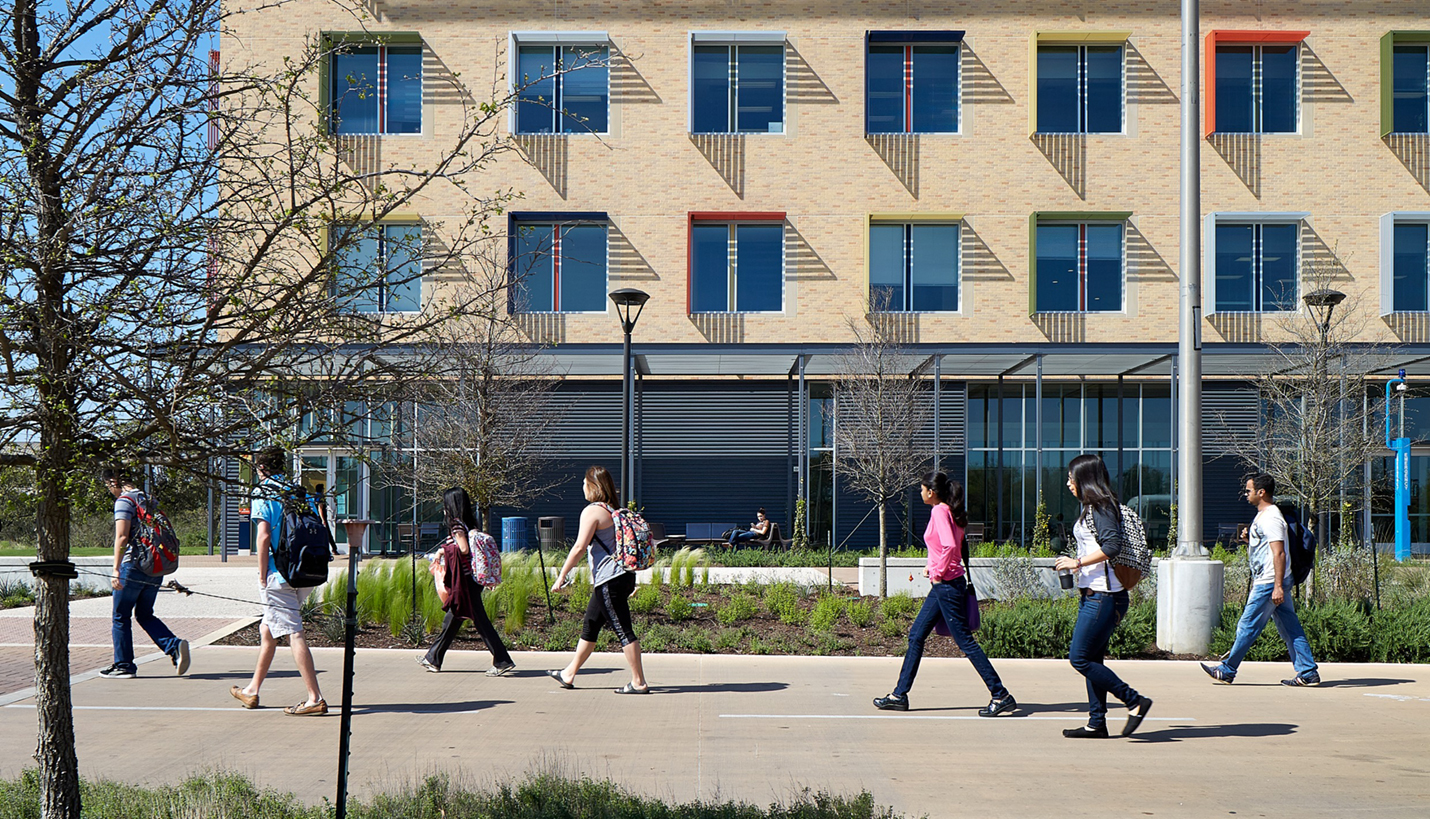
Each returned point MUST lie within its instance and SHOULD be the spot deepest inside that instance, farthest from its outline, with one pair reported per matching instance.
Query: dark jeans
(946, 600)
(737, 537)
(1098, 614)
(452, 624)
(137, 599)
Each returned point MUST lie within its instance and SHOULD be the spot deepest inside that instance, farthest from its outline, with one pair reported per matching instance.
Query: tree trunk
(883, 551)
(59, 767)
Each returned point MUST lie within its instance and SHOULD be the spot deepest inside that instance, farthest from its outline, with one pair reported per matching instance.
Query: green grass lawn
(10, 548)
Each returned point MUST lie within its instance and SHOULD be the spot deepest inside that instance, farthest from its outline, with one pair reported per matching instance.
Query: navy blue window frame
(557, 220)
(913, 82)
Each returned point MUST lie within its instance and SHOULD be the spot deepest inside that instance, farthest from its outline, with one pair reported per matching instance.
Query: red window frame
(717, 216)
(1237, 37)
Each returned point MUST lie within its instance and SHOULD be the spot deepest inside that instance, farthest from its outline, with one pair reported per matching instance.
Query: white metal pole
(1189, 344)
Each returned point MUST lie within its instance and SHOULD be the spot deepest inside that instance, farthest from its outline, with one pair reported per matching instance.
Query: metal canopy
(955, 361)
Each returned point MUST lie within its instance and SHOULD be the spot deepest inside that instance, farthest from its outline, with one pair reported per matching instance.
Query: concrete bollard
(1189, 595)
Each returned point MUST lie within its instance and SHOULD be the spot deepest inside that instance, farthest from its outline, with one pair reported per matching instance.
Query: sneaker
(427, 664)
(119, 672)
(1308, 679)
(996, 707)
(180, 658)
(501, 670)
(303, 709)
(893, 702)
(1219, 674)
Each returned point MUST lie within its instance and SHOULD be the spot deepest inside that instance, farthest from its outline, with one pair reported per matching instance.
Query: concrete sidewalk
(761, 728)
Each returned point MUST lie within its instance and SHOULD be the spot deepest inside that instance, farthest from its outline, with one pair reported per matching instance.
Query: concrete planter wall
(906, 575)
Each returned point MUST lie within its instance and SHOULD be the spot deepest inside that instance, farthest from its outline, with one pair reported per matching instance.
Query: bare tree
(193, 260)
(1319, 410)
(880, 406)
(487, 406)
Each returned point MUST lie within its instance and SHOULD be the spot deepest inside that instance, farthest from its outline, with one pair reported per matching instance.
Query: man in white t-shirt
(1270, 565)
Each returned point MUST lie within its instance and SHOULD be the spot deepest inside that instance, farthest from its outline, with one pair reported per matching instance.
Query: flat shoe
(630, 688)
(248, 700)
(996, 707)
(181, 658)
(302, 709)
(1143, 705)
(1084, 732)
(555, 674)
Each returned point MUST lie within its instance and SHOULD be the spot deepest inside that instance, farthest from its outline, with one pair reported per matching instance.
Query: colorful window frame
(1081, 220)
(1388, 44)
(909, 225)
(563, 292)
(925, 106)
(393, 114)
(1240, 37)
(1076, 38)
(694, 304)
(396, 247)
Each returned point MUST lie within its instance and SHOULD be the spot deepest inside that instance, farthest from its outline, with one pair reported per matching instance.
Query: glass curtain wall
(1131, 431)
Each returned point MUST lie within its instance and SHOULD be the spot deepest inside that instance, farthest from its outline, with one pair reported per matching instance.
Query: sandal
(630, 688)
(556, 675)
(305, 709)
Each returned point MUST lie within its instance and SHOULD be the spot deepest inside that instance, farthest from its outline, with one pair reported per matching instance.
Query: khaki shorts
(282, 607)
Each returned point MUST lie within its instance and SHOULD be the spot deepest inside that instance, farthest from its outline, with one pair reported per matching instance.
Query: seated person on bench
(759, 530)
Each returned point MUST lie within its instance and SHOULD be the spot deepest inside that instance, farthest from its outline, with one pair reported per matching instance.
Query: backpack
(304, 549)
(634, 548)
(1135, 559)
(486, 559)
(153, 544)
(1300, 545)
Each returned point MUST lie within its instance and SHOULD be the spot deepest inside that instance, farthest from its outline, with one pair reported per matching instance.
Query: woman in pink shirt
(947, 569)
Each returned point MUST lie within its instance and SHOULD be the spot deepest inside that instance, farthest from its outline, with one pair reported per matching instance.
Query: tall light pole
(629, 303)
(1322, 302)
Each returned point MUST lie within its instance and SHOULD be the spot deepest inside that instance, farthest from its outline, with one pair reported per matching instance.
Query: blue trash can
(514, 534)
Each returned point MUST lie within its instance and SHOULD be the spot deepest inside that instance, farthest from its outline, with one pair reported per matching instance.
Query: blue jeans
(137, 598)
(945, 601)
(1098, 614)
(1259, 609)
(737, 537)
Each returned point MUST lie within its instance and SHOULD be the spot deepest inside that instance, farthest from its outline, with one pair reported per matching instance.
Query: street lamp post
(357, 530)
(629, 302)
(1323, 302)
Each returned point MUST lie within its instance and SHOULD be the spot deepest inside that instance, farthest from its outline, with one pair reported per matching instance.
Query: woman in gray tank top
(612, 584)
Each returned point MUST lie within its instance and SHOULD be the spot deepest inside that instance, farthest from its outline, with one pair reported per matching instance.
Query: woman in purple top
(946, 599)
(465, 600)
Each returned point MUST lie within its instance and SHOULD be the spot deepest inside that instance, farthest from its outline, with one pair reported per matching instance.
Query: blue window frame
(1410, 274)
(560, 268)
(1079, 267)
(738, 89)
(1256, 267)
(1258, 88)
(736, 267)
(1080, 89)
(376, 89)
(1410, 83)
(913, 267)
(378, 269)
(912, 89)
(563, 89)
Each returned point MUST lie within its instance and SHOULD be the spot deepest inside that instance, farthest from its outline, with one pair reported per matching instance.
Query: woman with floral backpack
(464, 595)
(611, 580)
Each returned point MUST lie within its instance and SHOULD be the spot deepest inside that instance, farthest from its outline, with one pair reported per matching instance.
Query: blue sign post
(1401, 447)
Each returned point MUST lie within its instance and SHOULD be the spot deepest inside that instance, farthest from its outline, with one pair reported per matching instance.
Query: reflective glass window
(1410, 275)
(1410, 89)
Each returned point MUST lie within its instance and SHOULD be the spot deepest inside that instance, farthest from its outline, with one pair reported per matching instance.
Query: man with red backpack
(136, 523)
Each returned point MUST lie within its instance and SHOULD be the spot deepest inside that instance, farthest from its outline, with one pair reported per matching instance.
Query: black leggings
(452, 624)
(610, 605)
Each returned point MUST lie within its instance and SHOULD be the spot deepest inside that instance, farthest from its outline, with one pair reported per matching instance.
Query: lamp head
(629, 302)
(1324, 297)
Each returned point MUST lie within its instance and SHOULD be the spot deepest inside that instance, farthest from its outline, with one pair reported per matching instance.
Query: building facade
(1000, 182)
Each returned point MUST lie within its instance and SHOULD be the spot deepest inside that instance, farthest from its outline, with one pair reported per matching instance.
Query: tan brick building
(1005, 175)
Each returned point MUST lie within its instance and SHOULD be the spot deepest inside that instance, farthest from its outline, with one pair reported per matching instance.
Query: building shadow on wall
(543, 328)
(1318, 84)
(1412, 328)
(1322, 259)
(1241, 153)
(979, 84)
(726, 154)
(628, 86)
(627, 263)
(803, 261)
(900, 153)
(1144, 85)
(1068, 328)
(362, 154)
(898, 328)
(445, 87)
(802, 84)
(1067, 153)
(1144, 263)
(1413, 151)
(980, 263)
(547, 153)
(720, 328)
(1237, 327)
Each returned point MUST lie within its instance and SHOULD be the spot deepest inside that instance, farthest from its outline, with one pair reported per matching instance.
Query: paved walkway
(760, 728)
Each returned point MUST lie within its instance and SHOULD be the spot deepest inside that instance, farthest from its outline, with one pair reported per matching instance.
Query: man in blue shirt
(282, 604)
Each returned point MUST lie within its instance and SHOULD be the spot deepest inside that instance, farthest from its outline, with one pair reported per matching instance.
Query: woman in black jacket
(1102, 601)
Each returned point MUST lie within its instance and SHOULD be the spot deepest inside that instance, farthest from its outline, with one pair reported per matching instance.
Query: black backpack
(305, 548)
(1300, 545)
